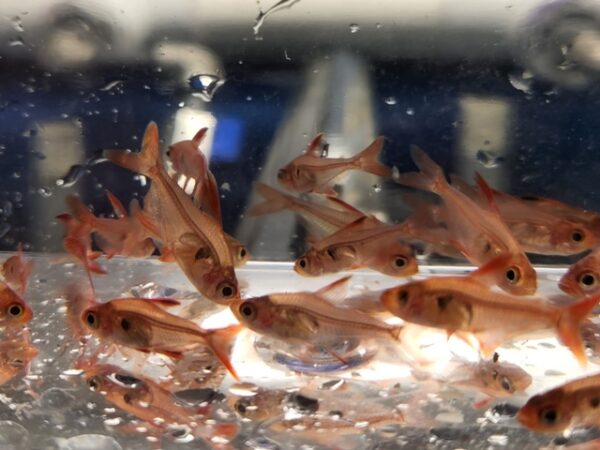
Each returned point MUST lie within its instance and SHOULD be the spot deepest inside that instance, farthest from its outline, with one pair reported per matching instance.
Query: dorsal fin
(335, 291)
(488, 194)
(116, 204)
(314, 148)
(199, 136)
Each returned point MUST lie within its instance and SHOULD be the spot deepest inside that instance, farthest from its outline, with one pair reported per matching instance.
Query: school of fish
(179, 221)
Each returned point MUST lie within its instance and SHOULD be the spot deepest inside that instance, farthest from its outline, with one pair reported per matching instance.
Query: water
(506, 90)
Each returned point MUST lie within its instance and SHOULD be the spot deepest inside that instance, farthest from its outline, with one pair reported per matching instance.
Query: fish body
(466, 305)
(574, 404)
(310, 172)
(307, 318)
(194, 237)
(366, 242)
(583, 277)
(538, 230)
(144, 325)
(16, 270)
(478, 232)
(16, 353)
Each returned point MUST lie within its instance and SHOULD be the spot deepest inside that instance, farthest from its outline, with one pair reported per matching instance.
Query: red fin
(80, 211)
(460, 184)
(163, 302)
(210, 201)
(173, 355)
(275, 201)
(116, 204)
(146, 222)
(336, 290)
(367, 159)
(167, 255)
(146, 160)
(343, 206)
(220, 342)
(431, 178)
(570, 321)
(488, 193)
(314, 148)
(199, 136)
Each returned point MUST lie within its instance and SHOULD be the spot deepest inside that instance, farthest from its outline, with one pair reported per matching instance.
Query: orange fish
(14, 312)
(123, 236)
(574, 404)
(308, 318)
(78, 242)
(479, 233)
(16, 270)
(16, 354)
(195, 239)
(149, 402)
(538, 230)
(583, 277)
(311, 172)
(142, 324)
(466, 305)
(367, 242)
(329, 216)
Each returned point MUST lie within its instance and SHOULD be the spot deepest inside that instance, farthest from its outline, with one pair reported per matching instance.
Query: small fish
(14, 312)
(143, 324)
(16, 354)
(195, 239)
(367, 242)
(311, 172)
(145, 399)
(583, 277)
(574, 404)
(479, 233)
(308, 318)
(124, 236)
(78, 243)
(538, 230)
(329, 216)
(16, 271)
(467, 305)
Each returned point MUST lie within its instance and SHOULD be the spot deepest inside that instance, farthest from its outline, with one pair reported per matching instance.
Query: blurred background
(505, 87)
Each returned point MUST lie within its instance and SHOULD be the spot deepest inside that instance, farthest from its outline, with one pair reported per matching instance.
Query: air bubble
(354, 28)
(489, 159)
(390, 100)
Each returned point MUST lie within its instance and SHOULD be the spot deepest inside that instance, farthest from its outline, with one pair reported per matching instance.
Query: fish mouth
(527, 419)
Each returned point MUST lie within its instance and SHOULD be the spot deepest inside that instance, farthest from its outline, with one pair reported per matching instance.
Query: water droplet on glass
(376, 188)
(410, 112)
(521, 81)
(16, 42)
(17, 24)
(205, 86)
(489, 159)
(45, 192)
(354, 28)
(249, 98)
(390, 100)
(498, 439)
(378, 25)
(90, 442)
(111, 85)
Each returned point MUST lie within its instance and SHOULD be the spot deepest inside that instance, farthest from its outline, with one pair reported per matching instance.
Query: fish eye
(548, 415)
(92, 319)
(127, 398)
(302, 263)
(125, 324)
(506, 384)
(94, 382)
(400, 262)
(227, 290)
(168, 152)
(15, 310)
(202, 253)
(243, 252)
(297, 171)
(248, 310)
(513, 275)
(587, 280)
(240, 407)
(577, 236)
(403, 296)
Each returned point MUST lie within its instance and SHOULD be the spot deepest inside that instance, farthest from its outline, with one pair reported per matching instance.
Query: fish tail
(569, 322)
(220, 342)
(367, 160)
(80, 211)
(147, 160)
(431, 178)
(275, 201)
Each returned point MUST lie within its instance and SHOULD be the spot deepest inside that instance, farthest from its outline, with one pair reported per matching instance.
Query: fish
(308, 318)
(467, 306)
(144, 325)
(573, 404)
(15, 313)
(16, 271)
(78, 243)
(367, 242)
(328, 216)
(583, 277)
(479, 233)
(538, 230)
(195, 239)
(311, 172)
(124, 236)
(145, 399)
(16, 354)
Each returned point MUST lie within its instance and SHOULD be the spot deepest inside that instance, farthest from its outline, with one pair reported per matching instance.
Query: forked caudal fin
(275, 201)
(367, 160)
(220, 342)
(431, 178)
(144, 162)
(570, 321)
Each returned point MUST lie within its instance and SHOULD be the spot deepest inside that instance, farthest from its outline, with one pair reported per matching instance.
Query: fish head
(13, 309)
(16, 354)
(98, 319)
(295, 178)
(216, 282)
(504, 379)
(265, 404)
(397, 260)
(572, 238)
(255, 313)
(582, 278)
(310, 264)
(240, 254)
(550, 412)
(405, 301)
(517, 276)
(119, 388)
